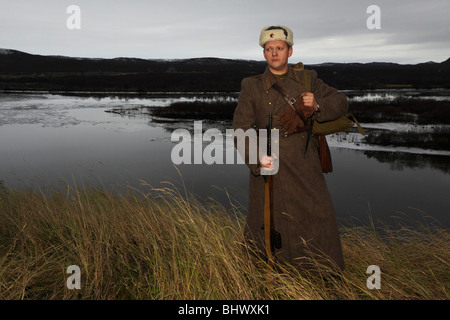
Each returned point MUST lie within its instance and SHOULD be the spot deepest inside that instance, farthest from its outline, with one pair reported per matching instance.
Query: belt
(296, 130)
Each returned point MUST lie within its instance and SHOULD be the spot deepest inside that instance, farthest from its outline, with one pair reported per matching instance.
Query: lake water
(56, 141)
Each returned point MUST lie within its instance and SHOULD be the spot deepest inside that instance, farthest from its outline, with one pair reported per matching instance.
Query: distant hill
(24, 71)
(16, 62)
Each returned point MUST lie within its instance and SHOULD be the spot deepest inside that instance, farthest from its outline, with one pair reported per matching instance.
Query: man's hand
(309, 101)
(268, 163)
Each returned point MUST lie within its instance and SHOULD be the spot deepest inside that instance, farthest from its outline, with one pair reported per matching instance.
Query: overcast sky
(412, 31)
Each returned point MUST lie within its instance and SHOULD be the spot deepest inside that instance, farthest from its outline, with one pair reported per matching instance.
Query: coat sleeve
(333, 104)
(245, 118)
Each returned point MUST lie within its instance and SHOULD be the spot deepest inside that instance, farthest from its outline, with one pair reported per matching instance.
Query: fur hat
(273, 33)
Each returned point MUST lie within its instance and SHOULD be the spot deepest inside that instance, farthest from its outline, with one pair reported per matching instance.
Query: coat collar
(269, 78)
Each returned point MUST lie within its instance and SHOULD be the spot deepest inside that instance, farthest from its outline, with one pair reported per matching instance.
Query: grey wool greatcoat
(303, 210)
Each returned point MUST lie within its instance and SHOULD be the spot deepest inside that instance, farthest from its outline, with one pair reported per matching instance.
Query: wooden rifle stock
(272, 238)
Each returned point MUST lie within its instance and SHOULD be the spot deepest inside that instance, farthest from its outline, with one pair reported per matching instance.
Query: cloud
(324, 30)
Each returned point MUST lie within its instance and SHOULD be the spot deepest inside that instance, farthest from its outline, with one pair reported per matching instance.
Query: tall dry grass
(162, 244)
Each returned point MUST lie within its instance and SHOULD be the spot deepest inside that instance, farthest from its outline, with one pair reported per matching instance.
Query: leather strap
(291, 101)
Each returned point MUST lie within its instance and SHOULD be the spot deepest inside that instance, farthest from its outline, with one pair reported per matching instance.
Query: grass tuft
(162, 244)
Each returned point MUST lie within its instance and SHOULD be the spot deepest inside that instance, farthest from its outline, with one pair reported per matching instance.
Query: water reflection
(63, 141)
(398, 161)
(402, 160)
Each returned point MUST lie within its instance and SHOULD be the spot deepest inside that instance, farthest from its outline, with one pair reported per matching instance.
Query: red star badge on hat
(271, 35)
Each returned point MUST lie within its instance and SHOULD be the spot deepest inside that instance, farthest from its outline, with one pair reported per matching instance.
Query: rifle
(272, 238)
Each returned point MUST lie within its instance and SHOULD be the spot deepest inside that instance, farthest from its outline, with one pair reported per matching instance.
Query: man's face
(276, 54)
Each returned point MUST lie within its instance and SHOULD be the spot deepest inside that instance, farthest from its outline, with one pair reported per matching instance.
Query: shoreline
(383, 133)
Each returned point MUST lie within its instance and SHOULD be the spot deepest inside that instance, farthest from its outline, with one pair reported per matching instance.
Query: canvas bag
(343, 123)
(319, 129)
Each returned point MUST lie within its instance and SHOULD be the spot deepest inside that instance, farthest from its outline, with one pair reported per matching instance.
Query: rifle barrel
(269, 136)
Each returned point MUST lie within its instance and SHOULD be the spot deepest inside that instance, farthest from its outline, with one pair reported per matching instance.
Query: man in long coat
(303, 210)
